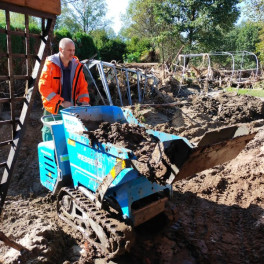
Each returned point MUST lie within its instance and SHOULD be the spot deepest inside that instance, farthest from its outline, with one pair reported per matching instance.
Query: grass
(252, 92)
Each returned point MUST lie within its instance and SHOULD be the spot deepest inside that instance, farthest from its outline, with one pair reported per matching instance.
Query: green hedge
(109, 48)
(84, 46)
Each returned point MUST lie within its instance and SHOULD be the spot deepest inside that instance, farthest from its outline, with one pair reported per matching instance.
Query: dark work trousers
(46, 132)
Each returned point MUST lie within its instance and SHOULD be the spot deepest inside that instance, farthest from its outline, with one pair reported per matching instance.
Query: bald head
(64, 42)
(67, 50)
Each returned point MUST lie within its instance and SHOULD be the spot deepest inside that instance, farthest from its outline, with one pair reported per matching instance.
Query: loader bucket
(175, 159)
(216, 147)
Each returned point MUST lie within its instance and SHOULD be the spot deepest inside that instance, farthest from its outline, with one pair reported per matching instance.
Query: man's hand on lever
(66, 104)
(85, 103)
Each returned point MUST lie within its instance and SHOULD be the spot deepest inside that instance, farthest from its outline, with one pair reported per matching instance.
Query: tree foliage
(248, 36)
(143, 23)
(137, 48)
(254, 10)
(199, 25)
(242, 37)
(109, 48)
(140, 19)
(85, 47)
(199, 22)
(85, 15)
(260, 44)
(66, 20)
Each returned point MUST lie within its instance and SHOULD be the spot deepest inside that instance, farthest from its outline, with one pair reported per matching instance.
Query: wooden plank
(17, 77)
(18, 33)
(24, 55)
(5, 143)
(5, 122)
(147, 212)
(3, 164)
(8, 100)
(140, 106)
(49, 6)
(21, 77)
(11, 74)
(27, 45)
(15, 2)
(11, 243)
(18, 55)
(140, 65)
(25, 10)
(8, 122)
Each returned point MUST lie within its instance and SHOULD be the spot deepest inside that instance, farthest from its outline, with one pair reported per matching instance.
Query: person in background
(62, 83)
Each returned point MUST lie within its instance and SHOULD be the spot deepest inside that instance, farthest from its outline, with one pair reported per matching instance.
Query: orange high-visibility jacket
(51, 80)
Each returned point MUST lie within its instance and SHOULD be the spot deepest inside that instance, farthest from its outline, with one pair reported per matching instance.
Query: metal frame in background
(232, 72)
(19, 125)
(101, 66)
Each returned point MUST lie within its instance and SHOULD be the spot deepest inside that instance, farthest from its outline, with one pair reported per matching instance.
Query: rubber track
(120, 235)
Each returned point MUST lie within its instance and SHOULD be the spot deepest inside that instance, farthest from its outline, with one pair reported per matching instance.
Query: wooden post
(11, 243)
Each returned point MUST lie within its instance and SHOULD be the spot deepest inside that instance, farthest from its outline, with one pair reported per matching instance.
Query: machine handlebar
(51, 118)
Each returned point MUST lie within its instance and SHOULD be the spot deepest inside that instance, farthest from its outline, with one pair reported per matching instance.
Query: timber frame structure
(31, 79)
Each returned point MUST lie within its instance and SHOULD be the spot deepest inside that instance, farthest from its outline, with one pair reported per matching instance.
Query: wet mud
(132, 137)
(155, 161)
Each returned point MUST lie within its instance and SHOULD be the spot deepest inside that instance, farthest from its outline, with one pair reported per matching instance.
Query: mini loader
(103, 190)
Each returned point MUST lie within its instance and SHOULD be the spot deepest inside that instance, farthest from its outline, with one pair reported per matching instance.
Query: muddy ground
(220, 211)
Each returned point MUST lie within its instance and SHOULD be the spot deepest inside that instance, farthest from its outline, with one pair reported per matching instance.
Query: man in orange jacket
(62, 83)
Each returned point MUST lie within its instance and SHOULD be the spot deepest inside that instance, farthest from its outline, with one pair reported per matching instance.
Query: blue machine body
(53, 155)
(88, 163)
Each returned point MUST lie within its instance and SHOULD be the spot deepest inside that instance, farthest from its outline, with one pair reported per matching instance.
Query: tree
(199, 22)
(82, 15)
(244, 36)
(136, 48)
(254, 10)
(85, 47)
(248, 36)
(109, 48)
(260, 45)
(88, 14)
(66, 20)
(142, 23)
(140, 19)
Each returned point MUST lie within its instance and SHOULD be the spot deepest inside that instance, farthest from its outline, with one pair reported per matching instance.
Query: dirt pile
(128, 136)
(230, 108)
(153, 158)
(199, 114)
(239, 182)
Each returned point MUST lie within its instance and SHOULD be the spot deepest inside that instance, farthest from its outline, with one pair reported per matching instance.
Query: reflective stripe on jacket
(51, 79)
